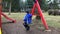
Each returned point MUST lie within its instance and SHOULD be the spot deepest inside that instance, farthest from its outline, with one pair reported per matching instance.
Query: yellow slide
(0, 31)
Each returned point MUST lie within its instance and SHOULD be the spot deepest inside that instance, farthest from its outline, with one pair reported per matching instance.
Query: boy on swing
(27, 20)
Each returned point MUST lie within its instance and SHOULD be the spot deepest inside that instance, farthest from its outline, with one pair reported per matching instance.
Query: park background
(16, 9)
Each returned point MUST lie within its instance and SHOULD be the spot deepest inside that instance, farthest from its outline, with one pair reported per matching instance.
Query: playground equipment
(0, 15)
(4, 16)
(36, 5)
(8, 17)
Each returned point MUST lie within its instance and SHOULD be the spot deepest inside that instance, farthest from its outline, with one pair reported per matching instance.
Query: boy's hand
(33, 17)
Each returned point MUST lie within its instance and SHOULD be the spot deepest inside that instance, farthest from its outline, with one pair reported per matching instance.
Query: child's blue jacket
(28, 18)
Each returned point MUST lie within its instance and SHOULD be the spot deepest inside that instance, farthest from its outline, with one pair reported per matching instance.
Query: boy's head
(27, 11)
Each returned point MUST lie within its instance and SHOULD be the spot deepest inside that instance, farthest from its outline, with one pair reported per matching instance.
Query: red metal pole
(0, 21)
(33, 9)
(0, 16)
(8, 17)
(41, 15)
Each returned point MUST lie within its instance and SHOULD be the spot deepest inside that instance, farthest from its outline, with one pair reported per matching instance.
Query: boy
(27, 20)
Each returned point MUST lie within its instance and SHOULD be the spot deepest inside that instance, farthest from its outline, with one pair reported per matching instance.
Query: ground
(36, 27)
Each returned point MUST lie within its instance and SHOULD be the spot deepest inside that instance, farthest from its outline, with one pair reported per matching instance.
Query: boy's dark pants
(26, 26)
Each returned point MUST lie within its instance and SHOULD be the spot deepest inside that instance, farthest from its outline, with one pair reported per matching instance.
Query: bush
(54, 12)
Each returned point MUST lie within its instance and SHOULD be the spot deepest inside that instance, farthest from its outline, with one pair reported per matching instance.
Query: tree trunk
(10, 9)
(6, 4)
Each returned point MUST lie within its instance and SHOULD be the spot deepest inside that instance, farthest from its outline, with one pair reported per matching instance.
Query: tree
(15, 5)
(43, 4)
(30, 3)
(9, 2)
(55, 6)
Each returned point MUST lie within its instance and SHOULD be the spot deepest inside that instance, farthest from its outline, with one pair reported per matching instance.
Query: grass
(14, 16)
(53, 21)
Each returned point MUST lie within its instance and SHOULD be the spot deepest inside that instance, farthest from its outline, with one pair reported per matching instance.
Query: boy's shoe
(28, 28)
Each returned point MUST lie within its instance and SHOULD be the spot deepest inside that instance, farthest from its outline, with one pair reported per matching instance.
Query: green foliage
(14, 4)
(55, 6)
(43, 4)
(30, 3)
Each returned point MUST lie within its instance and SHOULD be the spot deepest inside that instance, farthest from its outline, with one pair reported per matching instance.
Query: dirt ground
(18, 28)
